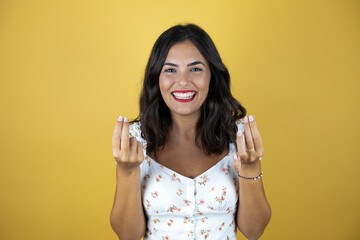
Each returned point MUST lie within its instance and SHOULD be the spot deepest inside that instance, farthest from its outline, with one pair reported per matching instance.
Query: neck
(184, 127)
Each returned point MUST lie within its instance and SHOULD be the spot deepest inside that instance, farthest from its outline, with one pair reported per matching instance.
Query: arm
(127, 217)
(254, 212)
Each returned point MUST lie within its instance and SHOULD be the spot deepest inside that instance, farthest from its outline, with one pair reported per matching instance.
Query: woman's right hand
(128, 152)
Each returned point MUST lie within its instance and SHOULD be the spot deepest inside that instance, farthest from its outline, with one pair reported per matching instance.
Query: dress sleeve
(134, 131)
(240, 126)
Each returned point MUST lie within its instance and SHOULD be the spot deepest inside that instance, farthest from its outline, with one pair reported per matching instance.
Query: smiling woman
(183, 168)
(184, 78)
(174, 64)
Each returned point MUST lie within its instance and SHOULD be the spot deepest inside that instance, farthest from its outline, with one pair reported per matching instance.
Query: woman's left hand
(248, 157)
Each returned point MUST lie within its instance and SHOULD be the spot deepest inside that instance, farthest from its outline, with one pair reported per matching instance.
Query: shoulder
(134, 129)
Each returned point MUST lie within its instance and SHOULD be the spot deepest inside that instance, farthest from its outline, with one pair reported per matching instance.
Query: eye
(169, 70)
(196, 69)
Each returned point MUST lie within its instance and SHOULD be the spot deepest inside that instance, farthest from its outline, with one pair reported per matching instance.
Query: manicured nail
(119, 118)
(235, 156)
(126, 119)
(251, 118)
(246, 119)
(239, 133)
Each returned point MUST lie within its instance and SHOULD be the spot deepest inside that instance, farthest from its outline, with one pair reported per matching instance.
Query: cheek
(204, 83)
(165, 83)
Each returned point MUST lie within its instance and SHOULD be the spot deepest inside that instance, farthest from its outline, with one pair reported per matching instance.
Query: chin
(186, 113)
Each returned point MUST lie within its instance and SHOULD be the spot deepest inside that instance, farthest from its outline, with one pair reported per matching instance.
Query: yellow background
(69, 68)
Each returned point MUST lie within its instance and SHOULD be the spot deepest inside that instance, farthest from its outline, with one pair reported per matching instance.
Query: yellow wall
(69, 68)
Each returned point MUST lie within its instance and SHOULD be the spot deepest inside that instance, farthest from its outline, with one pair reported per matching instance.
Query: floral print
(222, 225)
(179, 207)
(231, 224)
(188, 220)
(205, 233)
(226, 170)
(148, 160)
(173, 209)
(204, 179)
(158, 178)
(146, 177)
(148, 205)
(170, 222)
(199, 212)
(187, 202)
(180, 192)
(203, 219)
(174, 178)
(223, 195)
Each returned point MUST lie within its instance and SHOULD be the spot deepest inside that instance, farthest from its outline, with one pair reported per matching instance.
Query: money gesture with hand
(127, 152)
(247, 158)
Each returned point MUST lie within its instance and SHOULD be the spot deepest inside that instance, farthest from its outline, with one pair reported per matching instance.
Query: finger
(133, 147)
(256, 136)
(140, 153)
(117, 136)
(242, 154)
(125, 135)
(248, 137)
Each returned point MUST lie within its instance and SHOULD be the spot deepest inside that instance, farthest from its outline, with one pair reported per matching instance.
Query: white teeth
(184, 95)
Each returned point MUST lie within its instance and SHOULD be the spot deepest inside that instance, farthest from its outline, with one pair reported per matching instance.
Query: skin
(127, 216)
(184, 77)
(254, 211)
(180, 73)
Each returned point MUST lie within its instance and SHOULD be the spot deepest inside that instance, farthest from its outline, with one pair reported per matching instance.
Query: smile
(184, 96)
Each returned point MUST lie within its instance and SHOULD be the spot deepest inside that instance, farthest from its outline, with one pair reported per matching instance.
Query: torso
(186, 158)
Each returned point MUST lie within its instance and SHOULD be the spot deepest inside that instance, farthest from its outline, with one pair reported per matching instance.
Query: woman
(188, 167)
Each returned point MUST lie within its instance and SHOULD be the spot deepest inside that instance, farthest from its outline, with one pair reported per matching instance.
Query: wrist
(127, 171)
(250, 169)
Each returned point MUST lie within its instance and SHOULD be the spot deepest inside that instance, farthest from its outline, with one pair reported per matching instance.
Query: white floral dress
(182, 208)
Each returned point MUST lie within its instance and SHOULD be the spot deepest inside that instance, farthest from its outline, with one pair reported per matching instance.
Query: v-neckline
(171, 172)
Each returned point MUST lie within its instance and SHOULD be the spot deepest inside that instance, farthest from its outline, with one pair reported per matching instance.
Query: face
(184, 80)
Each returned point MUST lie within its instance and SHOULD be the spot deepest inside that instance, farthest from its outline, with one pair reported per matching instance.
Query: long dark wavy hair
(217, 123)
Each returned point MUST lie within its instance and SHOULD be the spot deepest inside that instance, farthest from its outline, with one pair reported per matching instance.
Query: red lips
(183, 91)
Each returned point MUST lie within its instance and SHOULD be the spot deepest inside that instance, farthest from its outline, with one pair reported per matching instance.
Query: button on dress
(183, 208)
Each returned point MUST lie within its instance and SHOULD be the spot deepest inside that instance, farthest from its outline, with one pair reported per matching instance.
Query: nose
(184, 79)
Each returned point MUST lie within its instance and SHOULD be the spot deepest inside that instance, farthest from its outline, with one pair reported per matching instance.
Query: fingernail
(246, 119)
(119, 118)
(239, 133)
(126, 119)
(235, 156)
(251, 118)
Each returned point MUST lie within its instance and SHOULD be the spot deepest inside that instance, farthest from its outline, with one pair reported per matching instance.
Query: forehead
(184, 51)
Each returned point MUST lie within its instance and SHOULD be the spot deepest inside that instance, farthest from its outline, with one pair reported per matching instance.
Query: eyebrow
(190, 64)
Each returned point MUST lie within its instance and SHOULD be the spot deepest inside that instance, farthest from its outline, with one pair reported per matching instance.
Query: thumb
(236, 163)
